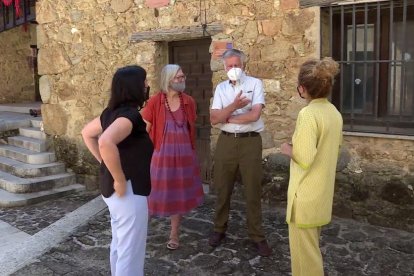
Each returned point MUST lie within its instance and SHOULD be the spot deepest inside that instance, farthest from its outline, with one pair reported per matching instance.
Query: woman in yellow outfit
(314, 153)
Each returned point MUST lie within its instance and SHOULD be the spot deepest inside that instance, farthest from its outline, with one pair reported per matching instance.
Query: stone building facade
(16, 65)
(82, 42)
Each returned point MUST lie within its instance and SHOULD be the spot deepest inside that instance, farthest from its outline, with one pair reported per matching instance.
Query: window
(371, 41)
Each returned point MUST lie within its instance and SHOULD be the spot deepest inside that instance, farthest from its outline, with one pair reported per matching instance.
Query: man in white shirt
(237, 106)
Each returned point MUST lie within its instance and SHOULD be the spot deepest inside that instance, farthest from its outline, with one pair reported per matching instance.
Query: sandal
(173, 244)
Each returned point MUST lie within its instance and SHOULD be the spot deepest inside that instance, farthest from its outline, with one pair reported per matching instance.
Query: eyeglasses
(180, 78)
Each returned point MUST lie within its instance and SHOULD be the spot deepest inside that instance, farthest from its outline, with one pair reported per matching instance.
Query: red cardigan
(154, 113)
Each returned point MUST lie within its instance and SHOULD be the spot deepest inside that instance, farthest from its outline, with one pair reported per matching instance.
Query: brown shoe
(263, 248)
(216, 238)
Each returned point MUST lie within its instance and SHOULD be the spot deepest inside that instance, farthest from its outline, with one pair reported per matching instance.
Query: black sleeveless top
(135, 152)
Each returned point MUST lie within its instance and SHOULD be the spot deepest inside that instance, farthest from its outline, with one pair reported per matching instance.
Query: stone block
(16, 65)
(65, 34)
(254, 53)
(279, 50)
(216, 65)
(271, 27)
(250, 32)
(41, 36)
(45, 88)
(263, 70)
(53, 60)
(121, 5)
(271, 86)
(289, 4)
(295, 24)
(110, 21)
(278, 160)
(262, 9)
(76, 16)
(45, 12)
(267, 139)
(144, 57)
(65, 91)
(397, 193)
(54, 119)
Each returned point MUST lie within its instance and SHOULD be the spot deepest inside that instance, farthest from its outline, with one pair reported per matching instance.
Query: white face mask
(234, 74)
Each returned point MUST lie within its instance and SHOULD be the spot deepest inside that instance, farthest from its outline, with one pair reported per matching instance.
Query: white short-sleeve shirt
(226, 93)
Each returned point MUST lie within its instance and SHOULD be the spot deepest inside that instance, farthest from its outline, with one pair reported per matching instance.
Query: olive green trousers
(242, 154)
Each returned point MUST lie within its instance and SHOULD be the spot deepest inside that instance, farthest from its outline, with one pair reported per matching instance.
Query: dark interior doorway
(194, 58)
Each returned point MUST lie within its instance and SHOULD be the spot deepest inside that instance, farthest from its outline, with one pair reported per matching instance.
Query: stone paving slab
(348, 247)
(33, 218)
(10, 235)
(25, 251)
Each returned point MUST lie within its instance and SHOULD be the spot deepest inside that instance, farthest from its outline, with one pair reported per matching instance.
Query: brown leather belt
(241, 135)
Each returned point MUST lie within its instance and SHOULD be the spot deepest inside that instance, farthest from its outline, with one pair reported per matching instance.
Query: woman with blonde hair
(314, 153)
(175, 175)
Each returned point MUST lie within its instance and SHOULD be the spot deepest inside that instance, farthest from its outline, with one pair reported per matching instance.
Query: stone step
(32, 132)
(10, 121)
(20, 107)
(27, 156)
(8, 199)
(25, 170)
(15, 184)
(36, 122)
(38, 145)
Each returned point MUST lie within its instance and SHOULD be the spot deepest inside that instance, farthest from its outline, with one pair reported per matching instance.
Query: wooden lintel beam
(174, 34)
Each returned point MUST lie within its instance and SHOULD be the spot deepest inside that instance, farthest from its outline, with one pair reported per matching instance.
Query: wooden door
(194, 58)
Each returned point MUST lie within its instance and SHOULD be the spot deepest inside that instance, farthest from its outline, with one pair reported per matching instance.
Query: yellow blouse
(316, 143)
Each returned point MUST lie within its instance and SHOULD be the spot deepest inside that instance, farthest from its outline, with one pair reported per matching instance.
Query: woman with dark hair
(314, 153)
(119, 141)
(175, 175)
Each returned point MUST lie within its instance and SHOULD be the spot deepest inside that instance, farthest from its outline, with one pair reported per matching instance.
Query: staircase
(29, 172)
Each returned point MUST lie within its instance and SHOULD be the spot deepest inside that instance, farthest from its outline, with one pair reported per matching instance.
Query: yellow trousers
(305, 255)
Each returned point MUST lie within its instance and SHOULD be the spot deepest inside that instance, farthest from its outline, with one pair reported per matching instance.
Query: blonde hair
(318, 76)
(167, 74)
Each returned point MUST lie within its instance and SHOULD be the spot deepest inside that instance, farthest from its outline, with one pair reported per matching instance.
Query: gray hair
(234, 53)
(167, 74)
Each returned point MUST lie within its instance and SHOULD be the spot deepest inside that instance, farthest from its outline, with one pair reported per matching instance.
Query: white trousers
(129, 223)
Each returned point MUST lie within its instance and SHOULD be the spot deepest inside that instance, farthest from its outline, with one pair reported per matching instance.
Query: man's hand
(240, 101)
(120, 188)
(223, 115)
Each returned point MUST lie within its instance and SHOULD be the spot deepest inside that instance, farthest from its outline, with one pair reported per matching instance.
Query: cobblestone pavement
(349, 248)
(33, 218)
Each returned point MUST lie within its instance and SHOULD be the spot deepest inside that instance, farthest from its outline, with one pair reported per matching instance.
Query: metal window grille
(9, 19)
(374, 46)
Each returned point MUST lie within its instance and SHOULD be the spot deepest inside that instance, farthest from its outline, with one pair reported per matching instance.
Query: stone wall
(377, 182)
(374, 181)
(16, 70)
(82, 43)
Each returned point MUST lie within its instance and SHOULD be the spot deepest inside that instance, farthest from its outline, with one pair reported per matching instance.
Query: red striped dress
(175, 173)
